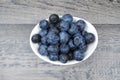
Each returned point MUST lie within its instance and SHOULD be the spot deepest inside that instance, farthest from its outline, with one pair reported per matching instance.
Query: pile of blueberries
(62, 39)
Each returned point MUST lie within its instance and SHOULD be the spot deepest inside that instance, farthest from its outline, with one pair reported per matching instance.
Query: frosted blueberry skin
(52, 38)
(55, 30)
(78, 55)
(64, 26)
(44, 40)
(73, 29)
(43, 32)
(64, 37)
(43, 50)
(44, 24)
(53, 57)
(64, 49)
(67, 18)
(53, 49)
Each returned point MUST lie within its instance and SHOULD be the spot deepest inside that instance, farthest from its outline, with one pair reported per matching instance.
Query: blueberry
(44, 24)
(64, 26)
(89, 38)
(54, 18)
(84, 32)
(81, 25)
(63, 58)
(78, 40)
(36, 38)
(53, 49)
(67, 17)
(70, 55)
(53, 57)
(52, 38)
(43, 50)
(78, 55)
(64, 37)
(44, 40)
(64, 49)
(71, 44)
(54, 29)
(73, 29)
(83, 47)
(43, 32)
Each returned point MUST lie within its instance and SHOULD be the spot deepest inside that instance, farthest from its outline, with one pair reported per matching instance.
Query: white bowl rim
(88, 24)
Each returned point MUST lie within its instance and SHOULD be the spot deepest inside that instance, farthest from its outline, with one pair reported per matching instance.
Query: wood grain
(32, 11)
(18, 62)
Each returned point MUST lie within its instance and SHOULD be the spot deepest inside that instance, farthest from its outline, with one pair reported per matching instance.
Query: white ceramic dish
(88, 53)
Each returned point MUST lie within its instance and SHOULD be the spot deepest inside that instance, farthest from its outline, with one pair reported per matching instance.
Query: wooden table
(17, 60)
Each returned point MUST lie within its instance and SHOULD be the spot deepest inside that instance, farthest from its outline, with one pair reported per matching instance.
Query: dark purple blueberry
(54, 18)
(89, 38)
(36, 38)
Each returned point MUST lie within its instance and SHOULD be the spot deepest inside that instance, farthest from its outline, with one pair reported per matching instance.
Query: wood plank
(18, 62)
(31, 12)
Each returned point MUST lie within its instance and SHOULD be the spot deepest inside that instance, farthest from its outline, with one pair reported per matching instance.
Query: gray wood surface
(18, 62)
(31, 11)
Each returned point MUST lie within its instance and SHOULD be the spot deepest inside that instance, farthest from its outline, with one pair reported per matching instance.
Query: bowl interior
(88, 53)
